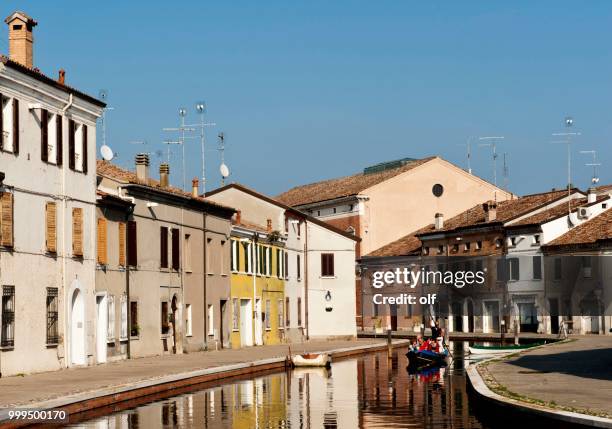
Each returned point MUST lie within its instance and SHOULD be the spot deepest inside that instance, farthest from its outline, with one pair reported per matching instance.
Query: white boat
(311, 359)
(490, 350)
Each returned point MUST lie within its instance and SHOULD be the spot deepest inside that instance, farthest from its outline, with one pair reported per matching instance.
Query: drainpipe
(127, 289)
(306, 279)
(204, 276)
(255, 267)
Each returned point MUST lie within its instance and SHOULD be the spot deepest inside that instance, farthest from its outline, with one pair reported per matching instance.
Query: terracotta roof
(557, 211)
(105, 168)
(603, 189)
(250, 225)
(342, 186)
(591, 231)
(407, 245)
(506, 211)
(37, 74)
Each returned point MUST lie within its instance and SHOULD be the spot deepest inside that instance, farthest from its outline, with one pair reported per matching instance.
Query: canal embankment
(78, 390)
(569, 381)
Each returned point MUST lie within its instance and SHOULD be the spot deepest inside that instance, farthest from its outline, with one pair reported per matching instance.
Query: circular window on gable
(437, 190)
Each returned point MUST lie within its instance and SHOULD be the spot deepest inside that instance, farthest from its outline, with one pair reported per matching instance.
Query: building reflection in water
(371, 391)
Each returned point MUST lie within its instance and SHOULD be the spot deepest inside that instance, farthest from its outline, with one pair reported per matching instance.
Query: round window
(437, 190)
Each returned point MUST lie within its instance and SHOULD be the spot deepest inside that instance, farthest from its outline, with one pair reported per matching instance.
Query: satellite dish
(107, 153)
(224, 171)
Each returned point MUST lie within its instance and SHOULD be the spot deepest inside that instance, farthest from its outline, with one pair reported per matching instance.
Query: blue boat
(426, 358)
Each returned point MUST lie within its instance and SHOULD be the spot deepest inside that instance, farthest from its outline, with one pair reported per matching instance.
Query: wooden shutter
(51, 227)
(122, 244)
(176, 264)
(132, 244)
(327, 264)
(6, 229)
(71, 144)
(84, 152)
(163, 247)
(102, 242)
(15, 126)
(59, 137)
(77, 231)
(44, 136)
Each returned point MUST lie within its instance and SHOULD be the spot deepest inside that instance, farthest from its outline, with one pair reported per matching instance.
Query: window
(287, 311)
(375, 310)
(188, 324)
(102, 252)
(77, 147)
(425, 250)
(208, 256)
(7, 336)
(176, 263)
(6, 219)
(222, 251)
(187, 251)
(455, 248)
(437, 190)
(235, 314)
(134, 328)
(279, 309)
(536, 239)
(558, 269)
(124, 318)
(211, 319)
(122, 244)
(498, 243)
(512, 241)
(537, 268)
(9, 124)
(286, 265)
(110, 331)
(77, 232)
(327, 264)
(278, 263)
(51, 227)
(52, 316)
(299, 310)
(234, 259)
(440, 249)
(502, 270)
(247, 257)
(268, 315)
(466, 246)
(165, 326)
(298, 267)
(268, 251)
(478, 245)
(514, 268)
(50, 137)
(132, 247)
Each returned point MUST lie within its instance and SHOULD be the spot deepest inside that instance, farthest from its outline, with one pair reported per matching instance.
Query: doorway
(528, 317)
(470, 315)
(173, 320)
(393, 311)
(258, 323)
(457, 317)
(101, 325)
(554, 315)
(222, 324)
(246, 323)
(491, 317)
(77, 328)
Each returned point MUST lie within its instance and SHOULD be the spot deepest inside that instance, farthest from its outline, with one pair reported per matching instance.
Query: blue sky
(313, 90)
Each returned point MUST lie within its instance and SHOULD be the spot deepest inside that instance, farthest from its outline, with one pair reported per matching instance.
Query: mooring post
(516, 338)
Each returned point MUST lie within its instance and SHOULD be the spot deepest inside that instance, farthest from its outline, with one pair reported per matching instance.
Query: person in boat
(416, 345)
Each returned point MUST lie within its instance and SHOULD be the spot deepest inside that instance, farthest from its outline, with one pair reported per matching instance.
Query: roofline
(49, 81)
(283, 206)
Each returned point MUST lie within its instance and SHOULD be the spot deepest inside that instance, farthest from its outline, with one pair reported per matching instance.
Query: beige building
(390, 200)
(176, 248)
(47, 193)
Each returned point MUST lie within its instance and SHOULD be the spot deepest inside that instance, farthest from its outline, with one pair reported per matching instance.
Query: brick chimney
(62, 77)
(238, 217)
(195, 187)
(490, 209)
(269, 226)
(591, 195)
(439, 221)
(164, 173)
(21, 40)
(142, 168)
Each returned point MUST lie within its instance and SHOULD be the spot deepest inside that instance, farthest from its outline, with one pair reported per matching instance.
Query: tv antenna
(201, 110)
(181, 140)
(223, 169)
(468, 147)
(569, 123)
(103, 96)
(506, 171)
(594, 164)
(493, 146)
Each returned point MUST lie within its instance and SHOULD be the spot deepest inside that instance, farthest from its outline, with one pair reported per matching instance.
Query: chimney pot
(62, 77)
(164, 172)
(142, 168)
(195, 187)
(238, 217)
(21, 40)
(269, 225)
(490, 209)
(439, 221)
(591, 195)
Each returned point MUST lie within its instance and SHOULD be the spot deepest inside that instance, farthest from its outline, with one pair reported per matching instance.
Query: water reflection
(370, 391)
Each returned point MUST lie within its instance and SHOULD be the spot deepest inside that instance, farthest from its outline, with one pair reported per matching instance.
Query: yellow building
(257, 292)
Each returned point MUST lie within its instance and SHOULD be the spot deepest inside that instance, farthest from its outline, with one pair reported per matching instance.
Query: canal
(368, 391)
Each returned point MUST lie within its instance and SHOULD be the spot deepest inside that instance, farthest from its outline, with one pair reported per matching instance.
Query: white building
(47, 244)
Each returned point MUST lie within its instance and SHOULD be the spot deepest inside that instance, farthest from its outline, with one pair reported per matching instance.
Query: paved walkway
(575, 375)
(52, 385)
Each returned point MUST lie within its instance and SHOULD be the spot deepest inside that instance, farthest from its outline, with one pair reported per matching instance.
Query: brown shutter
(102, 241)
(59, 137)
(176, 264)
(1, 122)
(331, 264)
(44, 137)
(323, 264)
(122, 244)
(84, 140)
(132, 244)
(163, 247)
(71, 144)
(77, 231)
(6, 229)
(51, 227)
(15, 126)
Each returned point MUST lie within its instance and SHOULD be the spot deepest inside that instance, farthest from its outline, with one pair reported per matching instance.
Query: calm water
(369, 391)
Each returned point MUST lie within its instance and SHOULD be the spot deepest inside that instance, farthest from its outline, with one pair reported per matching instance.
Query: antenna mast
(221, 138)
(201, 110)
(506, 171)
(569, 122)
(181, 129)
(103, 95)
(594, 164)
(493, 146)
